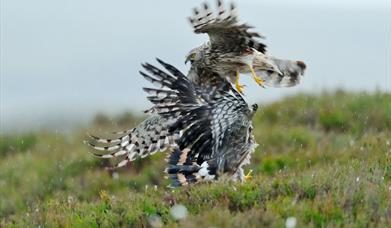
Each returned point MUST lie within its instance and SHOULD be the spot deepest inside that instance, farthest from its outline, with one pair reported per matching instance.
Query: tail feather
(180, 179)
(183, 171)
(291, 73)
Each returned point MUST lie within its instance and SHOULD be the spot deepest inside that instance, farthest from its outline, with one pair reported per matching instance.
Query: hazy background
(64, 61)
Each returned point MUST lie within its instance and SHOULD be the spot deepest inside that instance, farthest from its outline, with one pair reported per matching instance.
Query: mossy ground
(325, 160)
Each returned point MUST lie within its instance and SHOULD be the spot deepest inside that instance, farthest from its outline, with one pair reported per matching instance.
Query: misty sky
(64, 61)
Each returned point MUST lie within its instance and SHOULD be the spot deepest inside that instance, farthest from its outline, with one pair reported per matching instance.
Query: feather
(224, 29)
(141, 141)
(291, 72)
(206, 119)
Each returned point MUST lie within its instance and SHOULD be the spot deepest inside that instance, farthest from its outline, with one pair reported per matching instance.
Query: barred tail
(291, 73)
(182, 171)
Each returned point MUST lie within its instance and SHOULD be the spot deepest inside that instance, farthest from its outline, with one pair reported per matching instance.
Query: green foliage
(333, 120)
(325, 160)
(12, 144)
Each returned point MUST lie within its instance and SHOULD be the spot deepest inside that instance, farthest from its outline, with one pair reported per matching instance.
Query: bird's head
(195, 55)
(270, 67)
(263, 62)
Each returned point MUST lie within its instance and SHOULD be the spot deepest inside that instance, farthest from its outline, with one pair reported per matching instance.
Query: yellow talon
(238, 87)
(257, 79)
(248, 175)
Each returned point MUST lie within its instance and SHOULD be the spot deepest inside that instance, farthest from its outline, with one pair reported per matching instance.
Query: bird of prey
(233, 49)
(214, 124)
(205, 122)
(208, 129)
(151, 135)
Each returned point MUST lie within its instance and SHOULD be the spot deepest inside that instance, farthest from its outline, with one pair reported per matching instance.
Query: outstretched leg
(257, 79)
(238, 87)
(232, 79)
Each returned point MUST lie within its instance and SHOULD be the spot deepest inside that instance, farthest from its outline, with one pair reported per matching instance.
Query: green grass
(325, 160)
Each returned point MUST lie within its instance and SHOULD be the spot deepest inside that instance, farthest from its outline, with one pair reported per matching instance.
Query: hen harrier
(215, 126)
(232, 49)
(151, 135)
(208, 129)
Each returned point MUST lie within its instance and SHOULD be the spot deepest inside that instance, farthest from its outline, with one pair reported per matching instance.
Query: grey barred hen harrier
(214, 125)
(207, 128)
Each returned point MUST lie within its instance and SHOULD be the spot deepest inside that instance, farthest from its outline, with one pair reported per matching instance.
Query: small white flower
(357, 179)
(291, 222)
(70, 199)
(115, 176)
(178, 212)
(155, 221)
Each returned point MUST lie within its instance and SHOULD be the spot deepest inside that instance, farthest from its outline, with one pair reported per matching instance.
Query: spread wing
(147, 138)
(203, 115)
(224, 29)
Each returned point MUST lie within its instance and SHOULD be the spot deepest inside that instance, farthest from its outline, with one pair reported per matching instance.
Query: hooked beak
(279, 72)
(275, 68)
(188, 58)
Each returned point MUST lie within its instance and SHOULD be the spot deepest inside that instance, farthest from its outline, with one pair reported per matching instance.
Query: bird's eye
(191, 58)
